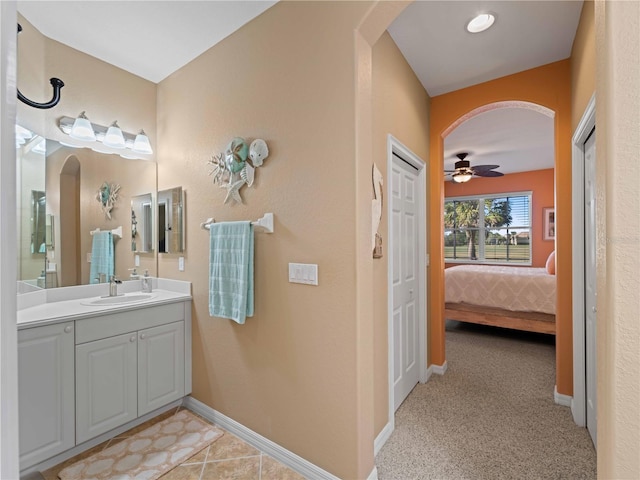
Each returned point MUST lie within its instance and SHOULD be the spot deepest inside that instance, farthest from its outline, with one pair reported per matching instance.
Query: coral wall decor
(236, 167)
(107, 196)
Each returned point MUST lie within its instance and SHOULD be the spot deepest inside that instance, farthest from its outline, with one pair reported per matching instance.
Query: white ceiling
(445, 57)
(516, 139)
(153, 39)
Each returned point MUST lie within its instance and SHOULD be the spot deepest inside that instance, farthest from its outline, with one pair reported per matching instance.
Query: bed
(522, 298)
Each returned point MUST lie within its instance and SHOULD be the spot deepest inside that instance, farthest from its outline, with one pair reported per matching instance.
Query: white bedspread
(521, 289)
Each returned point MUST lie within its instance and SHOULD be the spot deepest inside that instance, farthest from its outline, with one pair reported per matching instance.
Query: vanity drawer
(113, 324)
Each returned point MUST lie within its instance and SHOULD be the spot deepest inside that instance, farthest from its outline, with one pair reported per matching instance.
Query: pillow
(551, 263)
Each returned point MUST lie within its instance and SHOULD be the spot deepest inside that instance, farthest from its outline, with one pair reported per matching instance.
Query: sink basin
(120, 299)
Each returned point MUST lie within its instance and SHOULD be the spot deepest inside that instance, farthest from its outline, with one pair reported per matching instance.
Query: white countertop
(70, 303)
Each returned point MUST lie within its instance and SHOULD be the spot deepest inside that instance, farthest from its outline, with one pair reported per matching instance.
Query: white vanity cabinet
(128, 364)
(45, 391)
(107, 382)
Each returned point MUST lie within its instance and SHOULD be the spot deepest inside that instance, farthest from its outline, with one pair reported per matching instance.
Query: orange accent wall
(549, 86)
(539, 182)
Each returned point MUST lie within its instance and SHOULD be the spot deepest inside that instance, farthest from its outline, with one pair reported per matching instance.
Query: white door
(45, 392)
(106, 385)
(590, 279)
(404, 224)
(160, 366)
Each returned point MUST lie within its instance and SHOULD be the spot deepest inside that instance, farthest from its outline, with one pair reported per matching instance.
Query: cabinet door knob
(133, 338)
(68, 329)
(143, 336)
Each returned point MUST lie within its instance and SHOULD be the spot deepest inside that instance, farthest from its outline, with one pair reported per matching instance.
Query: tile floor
(226, 458)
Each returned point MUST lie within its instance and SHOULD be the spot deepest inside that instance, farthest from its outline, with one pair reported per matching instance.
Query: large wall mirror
(58, 209)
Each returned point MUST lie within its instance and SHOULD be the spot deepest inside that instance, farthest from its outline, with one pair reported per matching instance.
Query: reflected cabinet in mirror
(142, 223)
(59, 205)
(171, 236)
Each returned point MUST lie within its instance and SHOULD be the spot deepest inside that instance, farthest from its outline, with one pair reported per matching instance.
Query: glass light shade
(141, 143)
(461, 177)
(114, 138)
(82, 129)
(480, 23)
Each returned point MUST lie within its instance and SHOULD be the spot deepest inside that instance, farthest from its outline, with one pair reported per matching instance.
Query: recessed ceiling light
(480, 23)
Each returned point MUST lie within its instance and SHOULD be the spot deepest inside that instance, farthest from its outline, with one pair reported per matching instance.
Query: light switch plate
(181, 264)
(136, 260)
(305, 273)
(88, 257)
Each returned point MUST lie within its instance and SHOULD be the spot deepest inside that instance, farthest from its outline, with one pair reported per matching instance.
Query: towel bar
(265, 224)
(117, 232)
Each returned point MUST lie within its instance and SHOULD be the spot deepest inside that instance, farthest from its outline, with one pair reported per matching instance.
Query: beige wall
(583, 64)
(291, 372)
(618, 226)
(400, 108)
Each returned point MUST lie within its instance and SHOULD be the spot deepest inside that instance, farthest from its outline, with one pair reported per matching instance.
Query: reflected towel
(231, 270)
(102, 256)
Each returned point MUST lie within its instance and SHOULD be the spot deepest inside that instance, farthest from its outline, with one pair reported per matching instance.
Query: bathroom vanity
(89, 363)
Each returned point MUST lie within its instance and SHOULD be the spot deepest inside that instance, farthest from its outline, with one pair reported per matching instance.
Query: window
(488, 229)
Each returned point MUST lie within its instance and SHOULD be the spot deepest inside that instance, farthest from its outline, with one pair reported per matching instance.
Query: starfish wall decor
(237, 166)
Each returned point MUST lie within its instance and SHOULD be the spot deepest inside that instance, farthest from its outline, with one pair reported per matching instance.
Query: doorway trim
(587, 123)
(394, 146)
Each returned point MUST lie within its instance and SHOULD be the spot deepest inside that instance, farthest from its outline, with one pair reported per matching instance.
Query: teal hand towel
(102, 256)
(231, 270)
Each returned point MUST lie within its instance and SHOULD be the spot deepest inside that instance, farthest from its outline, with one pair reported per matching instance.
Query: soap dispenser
(134, 274)
(146, 282)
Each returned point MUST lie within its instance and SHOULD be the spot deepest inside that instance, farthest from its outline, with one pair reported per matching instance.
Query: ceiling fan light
(480, 23)
(114, 138)
(461, 177)
(141, 144)
(82, 129)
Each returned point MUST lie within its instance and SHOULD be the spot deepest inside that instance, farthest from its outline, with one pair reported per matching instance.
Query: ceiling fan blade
(477, 168)
(449, 171)
(488, 173)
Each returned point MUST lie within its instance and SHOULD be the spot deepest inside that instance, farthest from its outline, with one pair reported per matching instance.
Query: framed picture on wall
(549, 223)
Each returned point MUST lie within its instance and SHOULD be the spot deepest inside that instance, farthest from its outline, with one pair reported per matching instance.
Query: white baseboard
(374, 474)
(439, 369)
(281, 454)
(382, 438)
(561, 399)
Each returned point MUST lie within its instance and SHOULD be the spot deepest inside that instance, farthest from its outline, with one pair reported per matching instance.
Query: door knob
(411, 292)
(133, 338)
(68, 329)
(594, 309)
(143, 336)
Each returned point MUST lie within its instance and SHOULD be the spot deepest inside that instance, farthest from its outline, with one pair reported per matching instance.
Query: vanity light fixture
(141, 143)
(82, 129)
(480, 23)
(114, 138)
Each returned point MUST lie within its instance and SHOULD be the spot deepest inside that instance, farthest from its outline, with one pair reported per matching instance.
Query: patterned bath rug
(148, 454)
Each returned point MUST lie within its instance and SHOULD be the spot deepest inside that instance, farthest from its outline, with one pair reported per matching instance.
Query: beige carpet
(148, 454)
(491, 416)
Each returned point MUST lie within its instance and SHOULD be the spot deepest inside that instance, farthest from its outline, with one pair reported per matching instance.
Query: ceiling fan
(464, 171)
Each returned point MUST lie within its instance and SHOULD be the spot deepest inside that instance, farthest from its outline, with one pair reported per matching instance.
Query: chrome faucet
(113, 286)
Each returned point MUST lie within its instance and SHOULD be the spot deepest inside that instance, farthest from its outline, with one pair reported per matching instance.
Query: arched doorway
(547, 89)
(69, 231)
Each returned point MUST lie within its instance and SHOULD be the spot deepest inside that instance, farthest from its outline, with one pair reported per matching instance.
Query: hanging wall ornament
(108, 196)
(236, 167)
